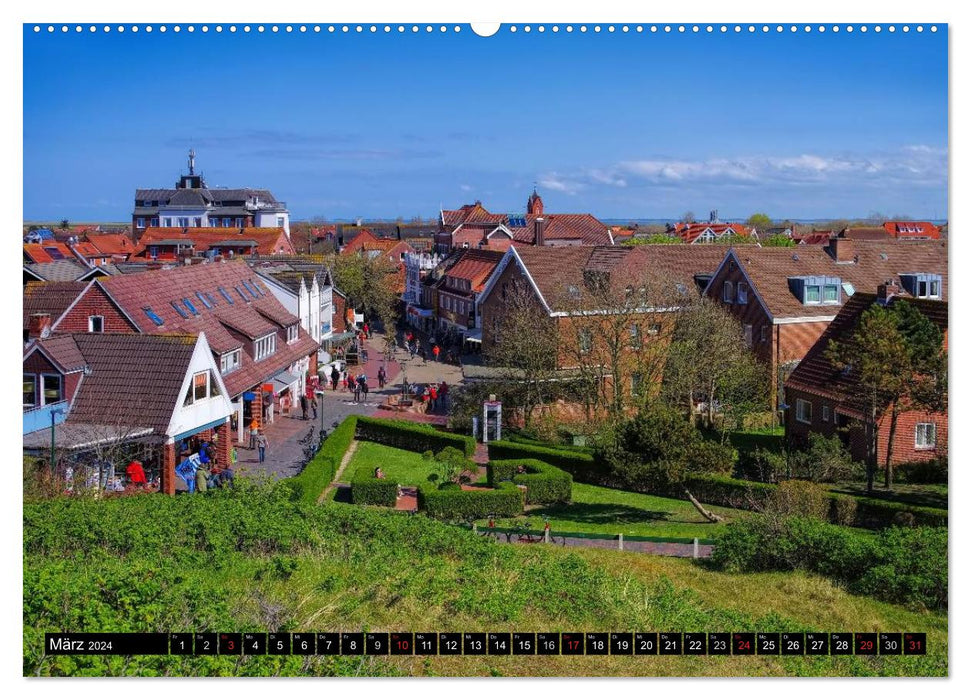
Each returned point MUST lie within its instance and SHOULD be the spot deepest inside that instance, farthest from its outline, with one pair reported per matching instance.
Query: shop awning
(419, 311)
(283, 381)
(346, 335)
(474, 336)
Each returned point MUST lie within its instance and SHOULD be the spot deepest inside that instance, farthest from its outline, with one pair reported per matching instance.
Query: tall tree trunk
(705, 513)
(870, 430)
(888, 466)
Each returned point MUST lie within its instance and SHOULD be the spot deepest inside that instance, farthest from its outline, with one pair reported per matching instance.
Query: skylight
(179, 310)
(190, 307)
(252, 289)
(226, 296)
(154, 317)
(204, 300)
(240, 292)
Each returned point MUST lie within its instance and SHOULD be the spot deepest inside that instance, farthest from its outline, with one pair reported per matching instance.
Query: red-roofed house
(920, 230)
(459, 287)
(178, 243)
(709, 232)
(263, 355)
(473, 226)
(823, 399)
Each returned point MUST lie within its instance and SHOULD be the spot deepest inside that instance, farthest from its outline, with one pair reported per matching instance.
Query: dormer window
(229, 361)
(292, 333)
(264, 347)
(922, 285)
(816, 290)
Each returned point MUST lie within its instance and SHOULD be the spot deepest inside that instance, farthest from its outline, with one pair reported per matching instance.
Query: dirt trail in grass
(348, 456)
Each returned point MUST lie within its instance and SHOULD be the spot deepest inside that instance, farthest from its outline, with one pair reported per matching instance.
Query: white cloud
(554, 182)
(465, 188)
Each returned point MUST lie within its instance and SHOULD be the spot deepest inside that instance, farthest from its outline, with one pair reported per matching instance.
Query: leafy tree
(778, 240)
(759, 220)
(369, 283)
(898, 356)
(654, 239)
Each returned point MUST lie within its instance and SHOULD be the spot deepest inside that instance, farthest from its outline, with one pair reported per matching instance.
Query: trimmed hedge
(450, 504)
(524, 440)
(544, 482)
(319, 471)
(875, 513)
(368, 491)
(415, 437)
(582, 466)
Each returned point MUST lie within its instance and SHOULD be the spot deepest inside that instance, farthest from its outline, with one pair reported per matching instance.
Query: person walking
(254, 429)
(357, 390)
(304, 407)
(443, 395)
(382, 377)
(262, 443)
(334, 377)
(432, 397)
(367, 331)
(364, 389)
(436, 351)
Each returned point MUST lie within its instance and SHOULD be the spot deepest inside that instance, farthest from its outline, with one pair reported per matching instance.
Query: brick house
(559, 280)
(263, 354)
(457, 290)
(820, 399)
(785, 298)
(99, 396)
(176, 244)
(916, 230)
(473, 226)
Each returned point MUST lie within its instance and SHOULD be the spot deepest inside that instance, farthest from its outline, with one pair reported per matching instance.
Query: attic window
(240, 292)
(225, 295)
(251, 288)
(204, 300)
(154, 317)
(189, 305)
(849, 289)
(178, 309)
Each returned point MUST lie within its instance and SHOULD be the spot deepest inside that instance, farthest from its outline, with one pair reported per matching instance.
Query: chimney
(38, 326)
(842, 249)
(539, 231)
(887, 291)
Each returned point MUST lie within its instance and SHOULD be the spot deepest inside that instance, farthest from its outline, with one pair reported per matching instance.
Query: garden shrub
(415, 437)
(842, 509)
(708, 456)
(506, 500)
(901, 565)
(801, 498)
(876, 513)
(369, 491)
(761, 464)
(928, 472)
(544, 482)
(581, 465)
(319, 472)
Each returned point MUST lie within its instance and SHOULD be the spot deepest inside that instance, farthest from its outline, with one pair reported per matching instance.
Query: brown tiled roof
(555, 269)
(475, 266)
(51, 298)
(817, 375)
(583, 227)
(769, 270)
(156, 289)
(134, 380)
(470, 214)
(865, 233)
(63, 350)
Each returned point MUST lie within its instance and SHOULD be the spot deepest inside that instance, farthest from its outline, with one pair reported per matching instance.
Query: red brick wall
(94, 302)
(904, 449)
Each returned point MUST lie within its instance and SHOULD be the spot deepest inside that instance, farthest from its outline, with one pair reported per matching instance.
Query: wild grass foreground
(253, 559)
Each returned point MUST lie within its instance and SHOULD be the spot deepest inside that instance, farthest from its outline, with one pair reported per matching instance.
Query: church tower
(535, 204)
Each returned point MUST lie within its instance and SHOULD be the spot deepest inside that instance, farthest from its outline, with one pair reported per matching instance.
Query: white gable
(202, 413)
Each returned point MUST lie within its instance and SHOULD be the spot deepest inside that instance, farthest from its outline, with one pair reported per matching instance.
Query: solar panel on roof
(55, 253)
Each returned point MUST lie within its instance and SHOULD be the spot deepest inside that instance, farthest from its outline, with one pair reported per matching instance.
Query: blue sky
(386, 125)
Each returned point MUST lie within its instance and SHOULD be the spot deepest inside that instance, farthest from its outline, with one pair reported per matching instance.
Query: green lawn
(610, 511)
(930, 495)
(406, 468)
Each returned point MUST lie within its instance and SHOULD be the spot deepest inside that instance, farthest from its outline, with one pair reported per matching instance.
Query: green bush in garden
(415, 437)
(544, 482)
(506, 500)
(319, 472)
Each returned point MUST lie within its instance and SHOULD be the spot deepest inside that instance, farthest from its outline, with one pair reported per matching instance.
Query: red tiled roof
(51, 298)
(475, 266)
(157, 289)
(583, 227)
(865, 233)
(62, 349)
(469, 214)
(769, 270)
(912, 229)
(112, 243)
(690, 232)
(817, 375)
(49, 251)
(269, 241)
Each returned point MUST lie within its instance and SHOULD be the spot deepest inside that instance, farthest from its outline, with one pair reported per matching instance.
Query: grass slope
(254, 560)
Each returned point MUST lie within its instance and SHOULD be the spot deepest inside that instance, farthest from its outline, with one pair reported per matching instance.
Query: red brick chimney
(539, 231)
(887, 291)
(37, 324)
(842, 249)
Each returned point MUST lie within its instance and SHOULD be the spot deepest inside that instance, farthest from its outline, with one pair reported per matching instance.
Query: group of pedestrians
(415, 346)
(434, 396)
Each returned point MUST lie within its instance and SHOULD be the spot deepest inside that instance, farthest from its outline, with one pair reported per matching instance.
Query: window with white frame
(229, 361)
(925, 436)
(825, 413)
(202, 387)
(728, 292)
(279, 221)
(812, 294)
(585, 340)
(747, 330)
(155, 221)
(183, 221)
(168, 222)
(804, 411)
(140, 222)
(292, 333)
(30, 390)
(742, 293)
(96, 324)
(636, 383)
(264, 347)
(763, 332)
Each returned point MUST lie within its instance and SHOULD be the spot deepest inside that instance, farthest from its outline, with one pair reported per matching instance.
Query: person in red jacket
(436, 351)
(136, 474)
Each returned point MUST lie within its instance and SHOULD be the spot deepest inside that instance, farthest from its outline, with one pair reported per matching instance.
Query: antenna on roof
(192, 161)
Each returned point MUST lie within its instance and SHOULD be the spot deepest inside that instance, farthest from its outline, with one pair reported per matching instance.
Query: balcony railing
(40, 417)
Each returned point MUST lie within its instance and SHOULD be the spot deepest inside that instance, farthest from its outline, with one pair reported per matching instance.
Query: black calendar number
(180, 643)
(915, 643)
(694, 643)
(474, 643)
(278, 643)
(793, 644)
(669, 643)
(841, 643)
(305, 644)
(523, 643)
(767, 643)
(450, 643)
(621, 643)
(548, 643)
(352, 644)
(499, 643)
(865, 643)
(206, 643)
(402, 644)
(254, 643)
(645, 643)
(426, 643)
(328, 643)
(376, 643)
(719, 643)
(890, 644)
